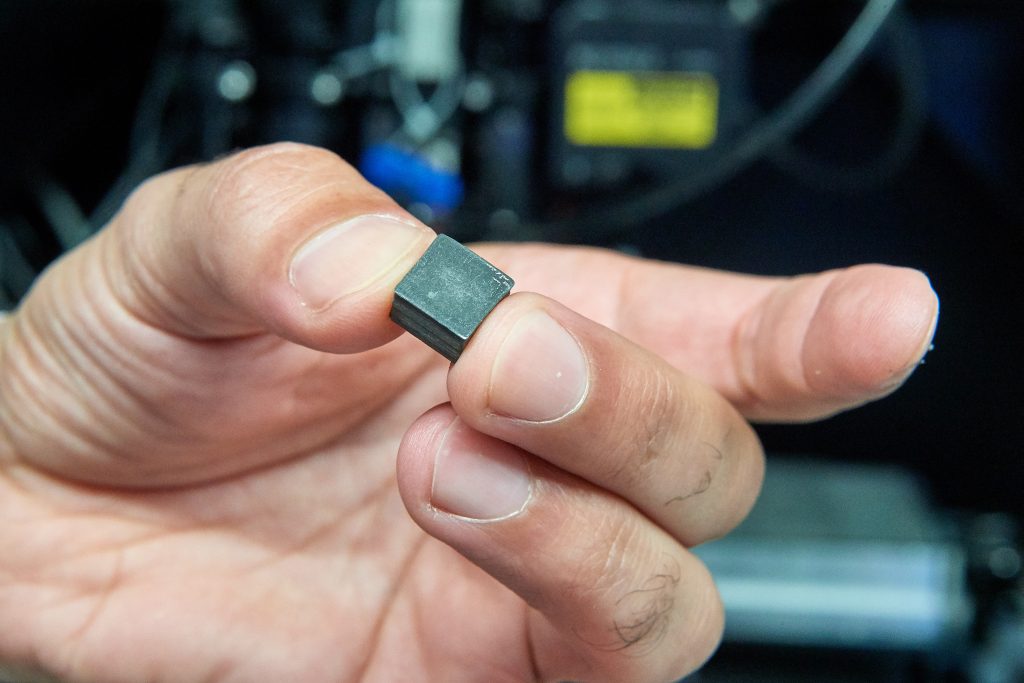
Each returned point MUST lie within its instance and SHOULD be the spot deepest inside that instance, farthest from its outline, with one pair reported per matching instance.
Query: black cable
(763, 137)
(16, 273)
(826, 175)
(146, 153)
(61, 210)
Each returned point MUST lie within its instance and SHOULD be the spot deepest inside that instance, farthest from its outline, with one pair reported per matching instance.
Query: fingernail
(925, 346)
(349, 256)
(540, 373)
(479, 477)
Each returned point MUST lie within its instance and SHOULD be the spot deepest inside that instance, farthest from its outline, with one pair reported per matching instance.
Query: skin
(198, 472)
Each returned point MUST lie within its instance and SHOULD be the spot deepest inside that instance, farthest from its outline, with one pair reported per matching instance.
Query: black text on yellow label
(661, 109)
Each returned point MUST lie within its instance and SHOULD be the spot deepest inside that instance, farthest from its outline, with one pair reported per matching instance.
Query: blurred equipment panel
(844, 557)
(851, 573)
(651, 87)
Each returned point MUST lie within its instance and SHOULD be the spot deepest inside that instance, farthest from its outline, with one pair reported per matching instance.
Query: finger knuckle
(642, 441)
(669, 625)
(699, 632)
(658, 621)
(667, 422)
(602, 562)
(749, 476)
(267, 180)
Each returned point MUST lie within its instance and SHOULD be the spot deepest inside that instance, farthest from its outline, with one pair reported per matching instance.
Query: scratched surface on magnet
(499, 277)
(460, 286)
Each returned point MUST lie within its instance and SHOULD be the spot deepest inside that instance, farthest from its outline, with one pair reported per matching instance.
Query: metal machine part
(446, 296)
(847, 557)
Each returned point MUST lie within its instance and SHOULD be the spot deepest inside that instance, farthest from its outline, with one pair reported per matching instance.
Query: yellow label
(665, 109)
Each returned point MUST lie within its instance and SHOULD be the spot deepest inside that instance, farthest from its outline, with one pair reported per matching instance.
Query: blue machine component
(411, 177)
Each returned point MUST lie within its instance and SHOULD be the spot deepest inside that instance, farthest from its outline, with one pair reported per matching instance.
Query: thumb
(285, 238)
(114, 369)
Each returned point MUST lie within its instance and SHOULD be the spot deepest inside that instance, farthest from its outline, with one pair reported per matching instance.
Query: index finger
(780, 349)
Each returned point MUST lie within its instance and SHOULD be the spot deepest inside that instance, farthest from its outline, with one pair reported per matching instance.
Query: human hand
(198, 439)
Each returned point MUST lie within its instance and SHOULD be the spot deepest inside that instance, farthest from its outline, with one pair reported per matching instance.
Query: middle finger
(591, 402)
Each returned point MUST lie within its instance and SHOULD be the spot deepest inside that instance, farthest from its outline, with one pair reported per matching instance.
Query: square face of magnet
(446, 296)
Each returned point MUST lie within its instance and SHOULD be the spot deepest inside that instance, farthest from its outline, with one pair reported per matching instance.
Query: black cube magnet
(446, 296)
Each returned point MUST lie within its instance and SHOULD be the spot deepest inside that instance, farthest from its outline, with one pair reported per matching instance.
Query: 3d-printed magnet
(446, 296)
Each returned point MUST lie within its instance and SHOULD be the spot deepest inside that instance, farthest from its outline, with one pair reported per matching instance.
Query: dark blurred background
(763, 136)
